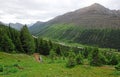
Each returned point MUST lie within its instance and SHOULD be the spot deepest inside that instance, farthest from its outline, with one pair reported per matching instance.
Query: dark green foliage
(15, 37)
(87, 51)
(117, 67)
(79, 59)
(50, 44)
(1, 68)
(45, 48)
(113, 60)
(71, 59)
(52, 55)
(96, 58)
(8, 69)
(27, 40)
(6, 43)
(102, 37)
(42, 46)
(38, 45)
(58, 50)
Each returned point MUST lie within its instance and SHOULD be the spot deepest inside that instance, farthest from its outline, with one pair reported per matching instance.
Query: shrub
(97, 58)
(79, 59)
(114, 60)
(15, 65)
(1, 68)
(52, 55)
(87, 51)
(71, 60)
(9, 69)
(117, 67)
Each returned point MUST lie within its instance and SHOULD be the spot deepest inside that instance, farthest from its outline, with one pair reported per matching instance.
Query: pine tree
(113, 60)
(46, 48)
(15, 37)
(79, 59)
(5, 42)
(52, 55)
(27, 40)
(117, 67)
(58, 50)
(71, 59)
(50, 44)
(96, 58)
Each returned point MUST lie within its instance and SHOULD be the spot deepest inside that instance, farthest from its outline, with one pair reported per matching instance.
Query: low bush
(79, 59)
(113, 60)
(71, 60)
(1, 68)
(97, 58)
(117, 67)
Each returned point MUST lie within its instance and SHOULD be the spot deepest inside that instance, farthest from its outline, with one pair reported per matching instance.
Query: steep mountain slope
(93, 16)
(36, 27)
(94, 25)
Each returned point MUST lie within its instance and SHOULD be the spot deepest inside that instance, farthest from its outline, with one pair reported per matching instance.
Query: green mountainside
(93, 25)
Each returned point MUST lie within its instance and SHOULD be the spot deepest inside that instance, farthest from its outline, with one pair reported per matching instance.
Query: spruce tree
(15, 37)
(58, 50)
(97, 58)
(6, 43)
(71, 59)
(27, 40)
(46, 48)
(79, 59)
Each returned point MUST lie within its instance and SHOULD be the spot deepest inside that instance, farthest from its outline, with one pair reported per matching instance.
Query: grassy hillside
(93, 25)
(72, 33)
(30, 68)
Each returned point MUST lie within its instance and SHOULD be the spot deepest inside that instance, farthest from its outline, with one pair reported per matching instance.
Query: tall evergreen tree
(51, 44)
(46, 48)
(27, 40)
(58, 50)
(97, 58)
(5, 42)
(15, 37)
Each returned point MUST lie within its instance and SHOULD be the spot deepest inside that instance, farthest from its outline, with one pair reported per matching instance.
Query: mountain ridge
(16, 26)
(95, 15)
(93, 25)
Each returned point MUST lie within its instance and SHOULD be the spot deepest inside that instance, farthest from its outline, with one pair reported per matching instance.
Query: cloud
(29, 11)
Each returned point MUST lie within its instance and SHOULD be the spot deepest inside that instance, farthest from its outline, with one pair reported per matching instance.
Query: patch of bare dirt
(37, 57)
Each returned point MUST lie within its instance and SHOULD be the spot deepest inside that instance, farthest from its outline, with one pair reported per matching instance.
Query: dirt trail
(37, 57)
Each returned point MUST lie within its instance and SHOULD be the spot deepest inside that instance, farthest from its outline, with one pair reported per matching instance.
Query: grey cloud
(27, 11)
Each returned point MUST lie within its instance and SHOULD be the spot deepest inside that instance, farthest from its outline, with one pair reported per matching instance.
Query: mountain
(95, 15)
(36, 26)
(93, 25)
(16, 26)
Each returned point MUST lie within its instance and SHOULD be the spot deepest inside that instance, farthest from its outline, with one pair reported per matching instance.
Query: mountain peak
(96, 5)
(94, 8)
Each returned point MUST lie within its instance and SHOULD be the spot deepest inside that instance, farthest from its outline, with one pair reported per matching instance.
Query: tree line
(13, 41)
(109, 38)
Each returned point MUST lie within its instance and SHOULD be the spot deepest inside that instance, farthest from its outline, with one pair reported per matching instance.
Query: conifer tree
(58, 50)
(15, 37)
(97, 58)
(27, 40)
(5, 42)
(71, 59)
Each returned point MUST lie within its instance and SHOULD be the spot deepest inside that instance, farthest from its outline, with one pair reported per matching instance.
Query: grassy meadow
(29, 67)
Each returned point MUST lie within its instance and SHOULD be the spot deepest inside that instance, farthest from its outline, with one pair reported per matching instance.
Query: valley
(80, 43)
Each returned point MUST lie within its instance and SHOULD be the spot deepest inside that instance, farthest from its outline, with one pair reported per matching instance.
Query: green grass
(31, 68)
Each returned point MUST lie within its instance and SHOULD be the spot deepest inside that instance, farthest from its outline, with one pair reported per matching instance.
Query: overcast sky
(30, 11)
